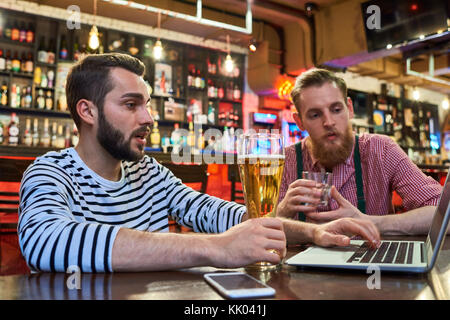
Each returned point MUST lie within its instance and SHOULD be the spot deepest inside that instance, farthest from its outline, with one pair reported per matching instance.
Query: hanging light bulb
(157, 50)
(416, 94)
(229, 64)
(94, 41)
(445, 104)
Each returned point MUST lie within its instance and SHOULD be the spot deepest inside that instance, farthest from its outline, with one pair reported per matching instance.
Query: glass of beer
(261, 163)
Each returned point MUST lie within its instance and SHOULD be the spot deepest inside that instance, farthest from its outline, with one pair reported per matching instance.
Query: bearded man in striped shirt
(366, 168)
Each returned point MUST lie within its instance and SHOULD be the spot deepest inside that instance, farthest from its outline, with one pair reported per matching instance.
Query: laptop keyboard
(398, 252)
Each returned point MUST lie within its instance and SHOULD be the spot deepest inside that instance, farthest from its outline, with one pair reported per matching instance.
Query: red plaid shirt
(385, 168)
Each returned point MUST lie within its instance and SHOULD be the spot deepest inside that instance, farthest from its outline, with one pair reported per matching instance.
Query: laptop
(401, 256)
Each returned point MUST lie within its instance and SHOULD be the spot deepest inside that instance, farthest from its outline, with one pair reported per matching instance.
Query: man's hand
(300, 191)
(339, 232)
(250, 242)
(346, 210)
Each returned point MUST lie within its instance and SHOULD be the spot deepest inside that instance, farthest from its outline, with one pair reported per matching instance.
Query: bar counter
(289, 282)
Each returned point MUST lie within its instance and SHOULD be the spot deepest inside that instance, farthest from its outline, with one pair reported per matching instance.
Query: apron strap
(358, 178)
(298, 151)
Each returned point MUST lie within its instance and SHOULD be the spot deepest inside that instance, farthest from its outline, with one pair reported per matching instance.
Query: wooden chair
(237, 194)
(11, 172)
(188, 174)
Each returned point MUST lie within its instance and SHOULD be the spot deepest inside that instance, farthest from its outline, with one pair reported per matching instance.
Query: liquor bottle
(37, 76)
(22, 32)
(74, 135)
(191, 136)
(2, 61)
(211, 113)
(198, 79)
(35, 133)
(200, 140)
(45, 139)
(15, 32)
(29, 63)
(13, 131)
(60, 139)
(1, 133)
(236, 117)
(76, 50)
(49, 100)
(63, 51)
(67, 138)
(13, 98)
(42, 53)
(27, 137)
(15, 63)
(30, 33)
(236, 92)
(51, 52)
(23, 63)
(8, 29)
(44, 80)
(4, 95)
(155, 137)
(175, 139)
(28, 97)
(50, 78)
(22, 97)
(8, 60)
(40, 100)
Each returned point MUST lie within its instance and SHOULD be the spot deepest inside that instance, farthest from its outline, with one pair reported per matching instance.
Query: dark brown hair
(89, 79)
(316, 77)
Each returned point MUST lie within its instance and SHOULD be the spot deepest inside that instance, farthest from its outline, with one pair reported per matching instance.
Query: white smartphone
(238, 285)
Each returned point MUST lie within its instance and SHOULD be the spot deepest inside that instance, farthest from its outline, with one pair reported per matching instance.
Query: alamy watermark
(374, 280)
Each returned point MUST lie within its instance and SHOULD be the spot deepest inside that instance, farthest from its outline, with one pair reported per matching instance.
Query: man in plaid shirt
(364, 177)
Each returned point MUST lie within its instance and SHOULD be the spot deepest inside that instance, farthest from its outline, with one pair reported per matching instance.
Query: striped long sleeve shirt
(70, 216)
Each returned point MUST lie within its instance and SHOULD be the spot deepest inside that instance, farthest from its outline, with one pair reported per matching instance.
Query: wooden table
(290, 283)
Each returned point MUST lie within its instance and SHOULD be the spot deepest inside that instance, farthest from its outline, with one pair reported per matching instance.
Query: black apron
(358, 175)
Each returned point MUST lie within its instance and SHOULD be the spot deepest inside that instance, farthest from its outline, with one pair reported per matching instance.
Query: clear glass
(261, 162)
(324, 180)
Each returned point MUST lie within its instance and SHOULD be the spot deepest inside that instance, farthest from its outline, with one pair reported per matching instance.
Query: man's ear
(351, 111)
(87, 111)
(298, 121)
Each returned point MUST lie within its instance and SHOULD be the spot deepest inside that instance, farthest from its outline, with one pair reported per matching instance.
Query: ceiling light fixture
(229, 63)
(157, 48)
(94, 41)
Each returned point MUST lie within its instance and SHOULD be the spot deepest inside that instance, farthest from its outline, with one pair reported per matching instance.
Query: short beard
(330, 157)
(113, 141)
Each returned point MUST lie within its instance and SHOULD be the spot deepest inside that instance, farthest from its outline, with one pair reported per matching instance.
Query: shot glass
(325, 182)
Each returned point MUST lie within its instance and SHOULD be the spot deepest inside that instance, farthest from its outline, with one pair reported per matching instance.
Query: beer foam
(262, 156)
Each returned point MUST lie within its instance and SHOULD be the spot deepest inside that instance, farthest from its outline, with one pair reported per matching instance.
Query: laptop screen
(439, 215)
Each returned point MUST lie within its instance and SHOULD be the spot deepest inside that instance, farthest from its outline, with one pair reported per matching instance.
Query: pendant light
(157, 48)
(94, 41)
(229, 63)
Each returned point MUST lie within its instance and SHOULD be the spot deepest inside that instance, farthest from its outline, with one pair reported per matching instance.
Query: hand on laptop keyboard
(338, 232)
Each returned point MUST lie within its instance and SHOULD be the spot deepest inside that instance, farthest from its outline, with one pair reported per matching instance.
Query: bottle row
(21, 97)
(16, 31)
(12, 63)
(192, 140)
(40, 134)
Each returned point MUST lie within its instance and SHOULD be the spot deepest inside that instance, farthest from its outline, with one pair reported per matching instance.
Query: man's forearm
(135, 250)
(413, 222)
(297, 232)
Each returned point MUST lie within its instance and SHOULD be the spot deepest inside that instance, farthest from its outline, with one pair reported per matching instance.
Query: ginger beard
(331, 153)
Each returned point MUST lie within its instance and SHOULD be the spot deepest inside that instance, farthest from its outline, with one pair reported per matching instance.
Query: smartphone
(237, 285)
